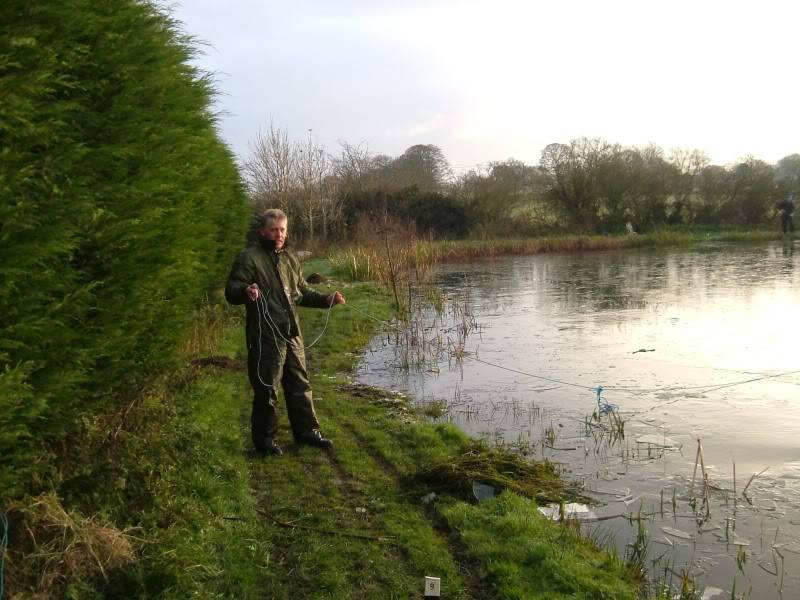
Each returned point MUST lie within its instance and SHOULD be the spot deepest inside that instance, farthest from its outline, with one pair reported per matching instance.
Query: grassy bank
(410, 254)
(171, 493)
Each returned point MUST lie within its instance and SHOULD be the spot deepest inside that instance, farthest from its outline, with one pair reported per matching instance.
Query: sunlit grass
(527, 556)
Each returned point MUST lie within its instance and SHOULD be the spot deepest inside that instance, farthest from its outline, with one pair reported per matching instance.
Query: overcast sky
(488, 81)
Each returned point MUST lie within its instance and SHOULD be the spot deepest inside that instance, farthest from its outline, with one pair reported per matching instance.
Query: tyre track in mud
(356, 493)
(470, 568)
(359, 528)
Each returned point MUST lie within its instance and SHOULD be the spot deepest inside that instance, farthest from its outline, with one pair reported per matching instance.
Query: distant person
(786, 206)
(267, 279)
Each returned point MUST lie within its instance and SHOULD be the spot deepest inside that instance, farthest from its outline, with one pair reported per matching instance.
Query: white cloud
(489, 80)
(420, 129)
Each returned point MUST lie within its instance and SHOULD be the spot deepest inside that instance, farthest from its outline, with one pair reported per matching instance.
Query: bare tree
(353, 166)
(313, 168)
(572, 172)
(271, 170)
(690, 165)
(297, 177)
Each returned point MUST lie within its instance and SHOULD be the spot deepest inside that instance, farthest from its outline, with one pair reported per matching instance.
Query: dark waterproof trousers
(273, 363)
(787, 225)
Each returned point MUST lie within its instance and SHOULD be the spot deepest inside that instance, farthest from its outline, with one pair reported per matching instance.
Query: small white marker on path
(432, 587)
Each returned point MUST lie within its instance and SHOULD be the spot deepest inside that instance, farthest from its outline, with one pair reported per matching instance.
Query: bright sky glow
(492, 80)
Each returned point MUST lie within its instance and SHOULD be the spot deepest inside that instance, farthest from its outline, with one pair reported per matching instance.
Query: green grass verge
(203, 536)
(171, 476)
(526, 556)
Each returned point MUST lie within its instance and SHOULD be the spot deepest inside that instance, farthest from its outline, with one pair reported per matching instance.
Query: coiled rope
(262, 310)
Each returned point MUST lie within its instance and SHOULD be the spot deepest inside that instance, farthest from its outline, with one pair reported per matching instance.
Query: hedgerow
(119, 208)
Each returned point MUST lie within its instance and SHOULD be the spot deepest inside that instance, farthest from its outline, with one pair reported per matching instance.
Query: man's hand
(253, 292)
(336, 298)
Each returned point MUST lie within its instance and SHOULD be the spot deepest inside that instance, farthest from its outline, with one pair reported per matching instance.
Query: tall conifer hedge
(119, 208)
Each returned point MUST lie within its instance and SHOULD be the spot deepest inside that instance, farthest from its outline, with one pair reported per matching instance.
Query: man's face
(275, 231)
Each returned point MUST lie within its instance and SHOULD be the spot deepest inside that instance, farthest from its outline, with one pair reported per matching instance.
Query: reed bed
(749, 236)
(396, 263)
(413, 258)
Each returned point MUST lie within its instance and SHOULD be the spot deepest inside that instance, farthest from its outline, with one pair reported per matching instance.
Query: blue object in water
(603, 406)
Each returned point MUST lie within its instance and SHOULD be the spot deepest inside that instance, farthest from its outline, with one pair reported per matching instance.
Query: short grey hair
(270, 216)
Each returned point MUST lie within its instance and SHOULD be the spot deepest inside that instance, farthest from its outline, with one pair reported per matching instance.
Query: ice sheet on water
(573, 510)
(613, 492)
(658, 441)
(706, 563)
(677, 533)
(772, 506)
(664, 540)
(644, 499)
(769, 567)
(714, 593)
(793, 547)
(735, 539)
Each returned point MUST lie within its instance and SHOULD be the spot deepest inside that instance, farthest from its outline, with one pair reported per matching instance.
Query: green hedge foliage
(119, 208)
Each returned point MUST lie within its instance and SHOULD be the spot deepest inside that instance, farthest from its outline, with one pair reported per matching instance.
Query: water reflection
(665, 333)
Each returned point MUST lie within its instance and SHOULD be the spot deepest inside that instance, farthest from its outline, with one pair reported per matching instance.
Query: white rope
(258, 364)
(358, 310)
(324, 327)
(627, 389)
(263, 307)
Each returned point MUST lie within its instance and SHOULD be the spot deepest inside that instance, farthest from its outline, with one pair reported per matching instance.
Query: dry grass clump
(52, 547)
(496, 467)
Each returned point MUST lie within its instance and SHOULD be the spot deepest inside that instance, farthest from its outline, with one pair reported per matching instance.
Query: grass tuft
(497, 467)
(56, 546)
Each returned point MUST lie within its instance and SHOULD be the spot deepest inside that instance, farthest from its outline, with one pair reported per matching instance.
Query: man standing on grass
(268, 280)
(786, 206)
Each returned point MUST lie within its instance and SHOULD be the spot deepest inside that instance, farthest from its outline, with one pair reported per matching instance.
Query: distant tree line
(586, 185)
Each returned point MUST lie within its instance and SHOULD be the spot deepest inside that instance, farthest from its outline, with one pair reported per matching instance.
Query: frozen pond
(688, 344)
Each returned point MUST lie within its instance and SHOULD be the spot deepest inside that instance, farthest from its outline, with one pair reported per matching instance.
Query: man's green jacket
(280, 278)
